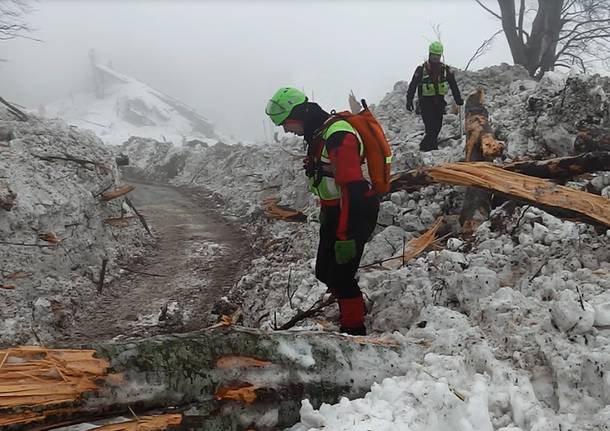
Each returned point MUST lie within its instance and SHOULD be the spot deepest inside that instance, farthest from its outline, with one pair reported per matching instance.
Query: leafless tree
(545, 34)
(12, 19)
(482, 49)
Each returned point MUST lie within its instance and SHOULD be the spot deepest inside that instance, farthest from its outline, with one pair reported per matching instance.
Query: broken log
(204, 372)
(480, 145)
(563, 168)
(576, 204)
(117, 193)
(592, 139)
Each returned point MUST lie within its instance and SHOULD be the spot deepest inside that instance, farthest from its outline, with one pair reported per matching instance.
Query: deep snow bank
(60, 199)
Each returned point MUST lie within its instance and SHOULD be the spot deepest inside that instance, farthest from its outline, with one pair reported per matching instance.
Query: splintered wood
(414, 247)
(144, 423)
(43, 379)
(534, 190)
(272, 210)
(245, 394)
(227, 362)
(579, 205)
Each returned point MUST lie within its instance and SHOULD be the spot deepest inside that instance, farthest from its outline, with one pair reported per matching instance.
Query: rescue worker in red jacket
(432, 81)
(349, 206)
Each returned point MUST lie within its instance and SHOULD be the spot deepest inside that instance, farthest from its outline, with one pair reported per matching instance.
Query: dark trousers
(341, 278)
(432, 114)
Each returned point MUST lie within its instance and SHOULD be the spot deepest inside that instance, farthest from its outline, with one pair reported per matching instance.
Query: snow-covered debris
(123, 107)
(53, 235)
(488, 306)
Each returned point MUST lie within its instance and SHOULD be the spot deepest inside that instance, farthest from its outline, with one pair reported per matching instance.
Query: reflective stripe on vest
(327, 188)
(429, 87)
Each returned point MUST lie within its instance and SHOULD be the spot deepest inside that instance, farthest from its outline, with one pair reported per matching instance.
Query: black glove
(410, 105)
(459, 101)
(309, 166)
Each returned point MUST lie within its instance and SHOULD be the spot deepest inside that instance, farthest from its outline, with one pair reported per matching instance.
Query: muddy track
(198, 258)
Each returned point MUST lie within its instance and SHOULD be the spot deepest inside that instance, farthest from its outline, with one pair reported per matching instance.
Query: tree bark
(537, 53)
(563, 168)
(572, 204)
(222, 375)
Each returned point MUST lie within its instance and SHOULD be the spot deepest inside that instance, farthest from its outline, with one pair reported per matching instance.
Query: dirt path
(199, 257)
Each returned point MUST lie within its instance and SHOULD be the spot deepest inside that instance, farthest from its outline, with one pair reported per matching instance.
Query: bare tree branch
(12, 20)
(482, 49)
(489, 10)
(563, 32)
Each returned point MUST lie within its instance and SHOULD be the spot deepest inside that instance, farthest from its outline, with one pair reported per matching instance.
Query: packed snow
(56, 175)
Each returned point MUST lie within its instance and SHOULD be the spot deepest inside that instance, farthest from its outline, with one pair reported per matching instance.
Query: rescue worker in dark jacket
(349, 206)
(432, 81)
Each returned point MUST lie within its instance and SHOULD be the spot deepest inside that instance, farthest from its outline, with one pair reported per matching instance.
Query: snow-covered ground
(514, 320)
(54, 233)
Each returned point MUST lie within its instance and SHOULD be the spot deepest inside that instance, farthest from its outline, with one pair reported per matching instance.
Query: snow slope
(55, 174)
(123, 107)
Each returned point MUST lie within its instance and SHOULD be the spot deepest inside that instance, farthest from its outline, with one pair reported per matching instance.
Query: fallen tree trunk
(563, 168)
(480, 145)
(592, 139)
(573, 204)
(228, 377)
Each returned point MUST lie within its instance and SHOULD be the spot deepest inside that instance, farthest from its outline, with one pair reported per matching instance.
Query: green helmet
(283, 101)
(436, 48)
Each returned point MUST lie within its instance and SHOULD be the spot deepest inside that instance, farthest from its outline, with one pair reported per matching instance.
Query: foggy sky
(227, 58)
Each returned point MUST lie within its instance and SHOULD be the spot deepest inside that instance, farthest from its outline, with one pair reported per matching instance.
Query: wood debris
(272, 210)
(116, 193)
(34, 381)
(118, 221)
(414, 247)
(573, 204)
(245, 394)
(144, 423)
(49, 237)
